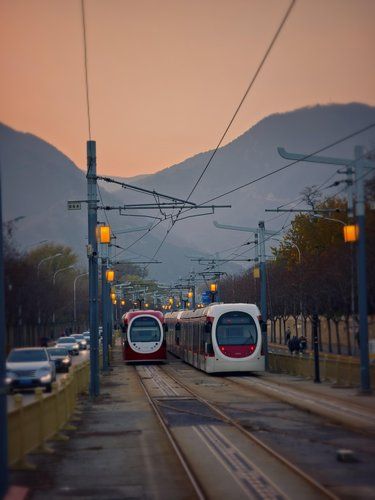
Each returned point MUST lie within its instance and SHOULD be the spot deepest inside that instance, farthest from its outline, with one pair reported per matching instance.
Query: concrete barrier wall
(31, 426)
(341, 370)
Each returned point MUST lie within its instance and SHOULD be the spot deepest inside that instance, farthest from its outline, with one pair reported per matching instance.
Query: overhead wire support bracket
(323, 210)
(143, 190)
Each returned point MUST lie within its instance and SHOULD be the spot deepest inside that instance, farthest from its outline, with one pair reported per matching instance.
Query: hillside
(38, 180)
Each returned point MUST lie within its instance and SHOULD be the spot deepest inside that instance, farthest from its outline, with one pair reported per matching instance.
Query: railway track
(210, 444)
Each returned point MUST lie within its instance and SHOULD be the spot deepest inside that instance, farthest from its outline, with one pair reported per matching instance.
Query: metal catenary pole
(92, 253)
(4, 477)
(105, 312)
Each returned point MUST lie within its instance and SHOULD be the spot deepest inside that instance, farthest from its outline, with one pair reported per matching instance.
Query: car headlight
(66, 360)
(46, 378)
(75, 346)
(10, 376)
(83, 342)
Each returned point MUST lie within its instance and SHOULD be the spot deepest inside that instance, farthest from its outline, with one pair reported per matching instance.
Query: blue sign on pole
(206, 297)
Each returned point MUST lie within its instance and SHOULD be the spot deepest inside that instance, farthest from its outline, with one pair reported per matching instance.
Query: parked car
(61, 358)
(69, 343)
(30, 367)
(86, 336)
(81, 340)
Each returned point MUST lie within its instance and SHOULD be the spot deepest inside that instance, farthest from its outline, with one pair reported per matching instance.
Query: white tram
(218, 338)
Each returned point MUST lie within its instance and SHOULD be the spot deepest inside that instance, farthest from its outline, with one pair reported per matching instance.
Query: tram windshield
(145, 329)
(236, 328)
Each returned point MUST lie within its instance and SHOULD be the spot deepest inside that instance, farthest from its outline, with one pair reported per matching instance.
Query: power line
(294, 162)
(255, 76)
(86, 69)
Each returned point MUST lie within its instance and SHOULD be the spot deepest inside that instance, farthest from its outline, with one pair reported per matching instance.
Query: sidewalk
(118, 451)
(342, 405)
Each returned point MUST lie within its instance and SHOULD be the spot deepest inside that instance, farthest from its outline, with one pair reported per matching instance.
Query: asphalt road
(28, 395)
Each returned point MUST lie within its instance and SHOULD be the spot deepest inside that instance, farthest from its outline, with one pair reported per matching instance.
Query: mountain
(254, 154)
(38, 180)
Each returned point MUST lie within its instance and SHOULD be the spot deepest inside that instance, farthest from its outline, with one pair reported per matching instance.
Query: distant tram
(218, 338)
(143, 336)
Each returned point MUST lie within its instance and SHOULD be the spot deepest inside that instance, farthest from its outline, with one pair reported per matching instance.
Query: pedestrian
(302, 344)
(287, 336)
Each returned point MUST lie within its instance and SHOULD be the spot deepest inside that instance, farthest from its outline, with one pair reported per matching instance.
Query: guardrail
(340, 370)
(31, 426)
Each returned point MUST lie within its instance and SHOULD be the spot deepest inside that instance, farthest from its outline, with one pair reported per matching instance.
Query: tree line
(313, 270)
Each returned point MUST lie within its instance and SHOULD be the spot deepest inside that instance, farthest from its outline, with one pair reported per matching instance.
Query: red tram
(143, 336)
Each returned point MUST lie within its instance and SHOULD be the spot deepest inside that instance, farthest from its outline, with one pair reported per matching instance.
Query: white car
(69, 343)
(30, 367)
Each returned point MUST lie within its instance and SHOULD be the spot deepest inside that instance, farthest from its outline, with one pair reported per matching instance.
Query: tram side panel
(220, 338)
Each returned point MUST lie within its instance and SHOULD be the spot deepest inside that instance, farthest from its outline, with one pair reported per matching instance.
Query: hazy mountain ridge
(38, 180)
(253, 154)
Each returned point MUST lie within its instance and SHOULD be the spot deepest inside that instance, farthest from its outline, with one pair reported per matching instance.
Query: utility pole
(92, 253)
(360, 164)
(105, 297)
(4, 477)
(260, 233)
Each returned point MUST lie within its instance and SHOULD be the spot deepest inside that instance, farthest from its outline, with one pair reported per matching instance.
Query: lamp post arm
(59, 271)
(45, 259)
(313, 158)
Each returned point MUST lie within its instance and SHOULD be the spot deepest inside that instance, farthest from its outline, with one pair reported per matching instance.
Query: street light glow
(351, 233)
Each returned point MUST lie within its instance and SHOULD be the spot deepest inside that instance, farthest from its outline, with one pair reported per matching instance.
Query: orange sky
(166, 75)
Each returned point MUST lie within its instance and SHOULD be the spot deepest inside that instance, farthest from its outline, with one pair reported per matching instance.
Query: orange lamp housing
(256, 272)
(104, 234)
(122, 302)
(190, 294)
(213, 287)
(110, 275)
(351, 232)
(113, 296)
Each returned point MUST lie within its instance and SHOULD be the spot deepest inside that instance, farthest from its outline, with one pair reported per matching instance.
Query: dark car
(61, 358)
(30, 367)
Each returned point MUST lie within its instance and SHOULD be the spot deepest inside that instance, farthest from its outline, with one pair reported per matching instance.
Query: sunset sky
(166, 75)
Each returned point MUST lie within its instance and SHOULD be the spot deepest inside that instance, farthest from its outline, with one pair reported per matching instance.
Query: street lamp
(110, 275)
(45, 260)
(213, 290)
(74, 297)
(54, 282)
(351, 233)
(38, 271)
(104, 235)
(59, 271)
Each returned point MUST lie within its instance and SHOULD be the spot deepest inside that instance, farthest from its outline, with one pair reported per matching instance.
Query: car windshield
(236, 328)
(79, 337)
(58, 352)
(66, 340)
(145, 329)
(24, 355)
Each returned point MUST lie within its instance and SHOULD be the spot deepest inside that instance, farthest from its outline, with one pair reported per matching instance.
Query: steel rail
(183, 460)
(321, 489)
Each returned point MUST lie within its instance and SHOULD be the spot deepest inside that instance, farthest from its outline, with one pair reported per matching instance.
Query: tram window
(145, 329)
(236, 328)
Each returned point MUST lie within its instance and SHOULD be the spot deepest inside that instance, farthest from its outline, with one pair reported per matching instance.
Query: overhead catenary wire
(294, 162)
(249, 87)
